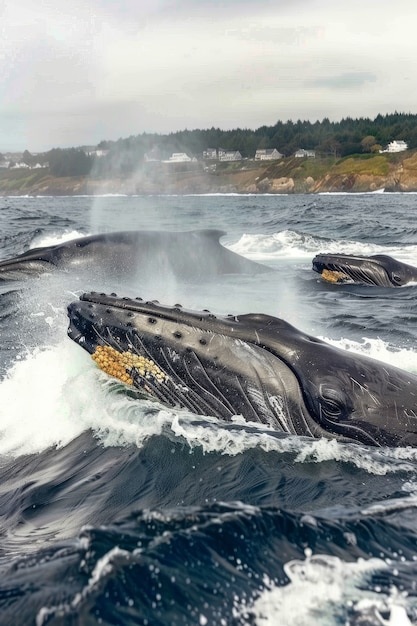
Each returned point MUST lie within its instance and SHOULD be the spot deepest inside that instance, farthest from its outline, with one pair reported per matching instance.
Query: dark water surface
(119, 511)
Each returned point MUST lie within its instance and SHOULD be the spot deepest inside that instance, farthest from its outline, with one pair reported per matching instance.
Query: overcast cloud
(73, 73)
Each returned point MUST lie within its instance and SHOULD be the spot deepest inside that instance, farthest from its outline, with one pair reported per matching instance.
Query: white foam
(378, 461)
(52, 239)
(292, 244)
(404, 358)
(321, 590)
(36, 401)
(282, 244)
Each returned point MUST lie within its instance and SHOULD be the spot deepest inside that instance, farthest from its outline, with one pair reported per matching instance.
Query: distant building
(268, 154)
(96, 152)
(305, 153)
(229, 155)
(179, 157)
(396, 146)
(210, 153)
(20, 166)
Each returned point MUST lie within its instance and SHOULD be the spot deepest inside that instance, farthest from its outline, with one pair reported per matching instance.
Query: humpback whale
(189, 255)
(253, 365)
(379, 270)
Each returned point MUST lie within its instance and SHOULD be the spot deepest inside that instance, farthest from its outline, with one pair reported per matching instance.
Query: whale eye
(396, 279)
(333, 404)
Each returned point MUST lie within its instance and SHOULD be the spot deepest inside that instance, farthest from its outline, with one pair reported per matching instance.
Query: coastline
(358, 174)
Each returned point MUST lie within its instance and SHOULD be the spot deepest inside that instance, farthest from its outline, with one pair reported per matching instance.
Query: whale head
(379, 270)
(254, 365)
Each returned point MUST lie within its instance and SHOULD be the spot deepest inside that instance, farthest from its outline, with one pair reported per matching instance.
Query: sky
(75, 73)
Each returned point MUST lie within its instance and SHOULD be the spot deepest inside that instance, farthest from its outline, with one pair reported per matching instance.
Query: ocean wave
(53, 239)
(65, 395)
(404, 358)
(296, 244)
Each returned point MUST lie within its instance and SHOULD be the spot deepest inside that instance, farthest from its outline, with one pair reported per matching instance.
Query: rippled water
(120, 511)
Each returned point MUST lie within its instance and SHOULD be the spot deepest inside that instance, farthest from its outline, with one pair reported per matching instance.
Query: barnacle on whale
(333, 276)
(123, 365)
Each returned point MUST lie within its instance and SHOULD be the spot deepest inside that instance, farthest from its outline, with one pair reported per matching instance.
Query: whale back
(196, 255)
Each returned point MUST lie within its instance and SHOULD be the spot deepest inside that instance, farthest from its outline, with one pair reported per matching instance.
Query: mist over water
(222, 523)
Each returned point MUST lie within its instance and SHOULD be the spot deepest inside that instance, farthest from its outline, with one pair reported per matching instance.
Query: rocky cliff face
(396, 175)
(354, 174)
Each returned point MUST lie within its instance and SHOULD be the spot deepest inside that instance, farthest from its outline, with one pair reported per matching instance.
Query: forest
(337, 139)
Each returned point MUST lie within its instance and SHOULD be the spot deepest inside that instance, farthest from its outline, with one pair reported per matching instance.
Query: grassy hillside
(20, 180)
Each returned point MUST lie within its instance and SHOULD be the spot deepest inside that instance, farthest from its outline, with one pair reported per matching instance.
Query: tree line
(346, 137)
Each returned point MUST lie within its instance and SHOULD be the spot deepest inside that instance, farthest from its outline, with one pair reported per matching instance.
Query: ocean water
(120, 511)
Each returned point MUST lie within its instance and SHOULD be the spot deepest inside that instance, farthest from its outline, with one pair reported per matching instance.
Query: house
(305, 153)
(96, 152)
(267, 154)
(396, 146)
(229, 155)
(20, 165)
(210, 153)
(178, 157)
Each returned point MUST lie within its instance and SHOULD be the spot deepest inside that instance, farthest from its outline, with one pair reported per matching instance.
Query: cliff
(359, 173)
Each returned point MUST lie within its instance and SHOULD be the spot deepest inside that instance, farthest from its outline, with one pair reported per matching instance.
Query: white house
(304, 153)
(396, 146)
(210, 153)
(96, 152)
(229, 155)
(179, 157)
(267, 154)
(20, 165)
